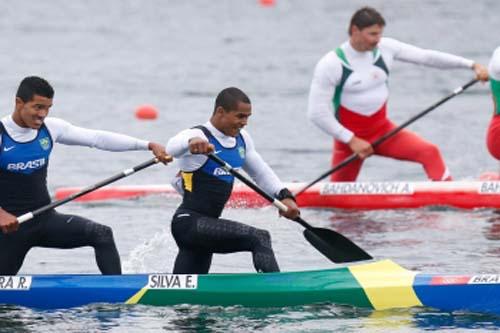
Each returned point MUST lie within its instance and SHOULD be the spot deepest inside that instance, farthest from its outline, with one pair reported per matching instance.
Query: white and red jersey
(493, 135)
(357, 81)
(494, 72)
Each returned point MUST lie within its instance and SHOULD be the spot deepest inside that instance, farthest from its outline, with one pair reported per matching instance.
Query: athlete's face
(366, 39)
(31, 114)
(232, 121)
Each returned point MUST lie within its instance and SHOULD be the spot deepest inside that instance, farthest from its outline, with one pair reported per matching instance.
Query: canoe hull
(360, 195)
(379, 285)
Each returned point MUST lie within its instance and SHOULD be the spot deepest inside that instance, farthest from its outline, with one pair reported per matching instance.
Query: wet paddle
(334, 246)
(389, 134)
(123, 174)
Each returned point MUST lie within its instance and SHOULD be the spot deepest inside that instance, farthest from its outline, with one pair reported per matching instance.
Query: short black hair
(366, 17)
(34, 85)
(229, 99)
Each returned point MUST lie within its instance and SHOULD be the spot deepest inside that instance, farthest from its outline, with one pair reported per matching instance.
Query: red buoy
(146, 112)
(267, 3)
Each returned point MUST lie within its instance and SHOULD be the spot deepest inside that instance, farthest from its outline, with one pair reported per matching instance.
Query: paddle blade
(335, 246)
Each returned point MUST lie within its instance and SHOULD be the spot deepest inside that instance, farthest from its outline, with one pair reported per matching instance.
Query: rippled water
(104, 58)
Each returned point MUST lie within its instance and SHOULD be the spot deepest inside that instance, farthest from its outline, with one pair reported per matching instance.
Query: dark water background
(105, 58)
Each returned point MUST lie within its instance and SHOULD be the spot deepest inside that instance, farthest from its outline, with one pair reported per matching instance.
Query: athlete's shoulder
(328, 69)
(329, 59)
(245, 135)
(55, 122)
(56, 126)
(390, 44)
(494, 66)
(247, 138)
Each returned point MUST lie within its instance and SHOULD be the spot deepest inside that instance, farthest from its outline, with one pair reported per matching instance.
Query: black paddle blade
(335, 246)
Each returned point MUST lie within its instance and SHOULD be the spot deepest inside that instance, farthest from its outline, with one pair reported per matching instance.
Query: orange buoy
(267, 3)
(489, 175)
(146, 112)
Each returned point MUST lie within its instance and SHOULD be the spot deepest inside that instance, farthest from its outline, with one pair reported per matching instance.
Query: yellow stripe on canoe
(386, 284)
(137, 296)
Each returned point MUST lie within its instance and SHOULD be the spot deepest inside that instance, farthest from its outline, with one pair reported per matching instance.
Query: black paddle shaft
(389, 134)
(331, 244)
(123, 174)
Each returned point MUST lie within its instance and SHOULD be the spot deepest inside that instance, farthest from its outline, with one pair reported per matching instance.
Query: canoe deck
(376, 285)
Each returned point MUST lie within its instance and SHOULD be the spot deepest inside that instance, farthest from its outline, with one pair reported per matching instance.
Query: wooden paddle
(333, 245)
(123, 174)
(389, 134)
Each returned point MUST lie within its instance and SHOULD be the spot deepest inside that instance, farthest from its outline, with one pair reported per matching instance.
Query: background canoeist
(493, 137)
(206, 187)
(349, 92)
(26, 141)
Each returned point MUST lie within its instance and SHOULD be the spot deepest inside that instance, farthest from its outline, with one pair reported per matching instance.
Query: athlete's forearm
(432, 58)
(69, 134)
(320, 112)
(178, 145)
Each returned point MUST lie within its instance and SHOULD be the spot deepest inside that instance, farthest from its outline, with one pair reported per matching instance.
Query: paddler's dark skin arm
(201, 146)
(8, 222)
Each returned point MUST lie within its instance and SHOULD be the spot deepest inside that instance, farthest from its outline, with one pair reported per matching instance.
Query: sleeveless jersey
(23, 171)
(207, 189)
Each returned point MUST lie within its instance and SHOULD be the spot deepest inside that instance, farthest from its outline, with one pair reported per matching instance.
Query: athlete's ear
(19, 103)
(220, 110)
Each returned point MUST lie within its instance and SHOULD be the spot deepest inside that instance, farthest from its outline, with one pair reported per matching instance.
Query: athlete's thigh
(349, 172)
(404, 145)
(202, 233)
(67, 231)
(226, 236)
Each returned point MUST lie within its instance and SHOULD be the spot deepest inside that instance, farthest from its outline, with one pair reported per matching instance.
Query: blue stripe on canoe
(472, 297)
(64, 291)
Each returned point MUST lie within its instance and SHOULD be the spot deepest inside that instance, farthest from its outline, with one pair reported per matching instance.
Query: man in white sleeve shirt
(493, 136)
(26, 140)
(196, 226)
(349, 92)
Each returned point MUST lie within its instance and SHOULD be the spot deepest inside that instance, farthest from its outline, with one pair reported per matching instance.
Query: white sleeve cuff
(345, 135)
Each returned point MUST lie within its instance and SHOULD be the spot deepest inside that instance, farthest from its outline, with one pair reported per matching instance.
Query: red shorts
(404, 145)
(493, 137)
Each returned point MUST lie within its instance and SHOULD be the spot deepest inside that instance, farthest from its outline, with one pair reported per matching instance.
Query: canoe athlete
(27, 137)
(196, 225)
(349, 92)
(493, 136)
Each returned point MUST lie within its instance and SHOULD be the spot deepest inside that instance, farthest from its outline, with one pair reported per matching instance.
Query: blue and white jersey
(25, 157)
(207, 189)
(206, 186)
(235, 156)
(23, 171)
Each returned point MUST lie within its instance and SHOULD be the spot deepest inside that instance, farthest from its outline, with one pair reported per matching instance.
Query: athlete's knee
(101, 234)
(263, 238)
(430, 153)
